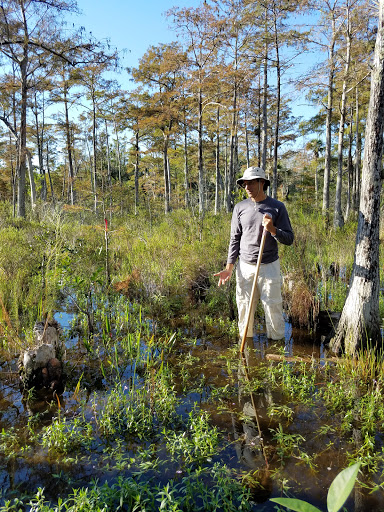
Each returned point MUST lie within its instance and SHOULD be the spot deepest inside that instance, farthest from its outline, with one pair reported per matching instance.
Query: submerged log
(297, 359)
(294, 359)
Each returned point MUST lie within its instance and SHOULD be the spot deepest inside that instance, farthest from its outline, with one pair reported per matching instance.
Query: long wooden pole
(254, 286)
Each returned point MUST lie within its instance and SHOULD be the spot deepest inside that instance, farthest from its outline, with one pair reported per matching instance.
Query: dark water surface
(241, 421)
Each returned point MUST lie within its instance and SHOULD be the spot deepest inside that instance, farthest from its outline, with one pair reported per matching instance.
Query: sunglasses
(256, 180)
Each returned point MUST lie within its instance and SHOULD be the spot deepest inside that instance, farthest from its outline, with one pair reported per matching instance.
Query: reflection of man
(248, 219)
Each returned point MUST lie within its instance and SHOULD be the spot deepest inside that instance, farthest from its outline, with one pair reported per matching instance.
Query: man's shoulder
(243, 205)
(274, 203)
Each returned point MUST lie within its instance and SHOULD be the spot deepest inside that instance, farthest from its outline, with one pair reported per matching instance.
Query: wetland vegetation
(146, 403)
(159, 411)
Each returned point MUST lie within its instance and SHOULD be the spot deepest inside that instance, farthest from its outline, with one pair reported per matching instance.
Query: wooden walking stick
(262, 243)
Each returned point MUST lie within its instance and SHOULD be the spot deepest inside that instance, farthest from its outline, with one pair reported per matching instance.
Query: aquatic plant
(338, 493)
(297, 380)
(65, 436)
(10, 442)
(198, 440)
(287, 444)
(201, 489)
(136, 408)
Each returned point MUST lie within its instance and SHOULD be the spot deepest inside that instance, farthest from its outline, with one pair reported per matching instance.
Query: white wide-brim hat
(252, 173)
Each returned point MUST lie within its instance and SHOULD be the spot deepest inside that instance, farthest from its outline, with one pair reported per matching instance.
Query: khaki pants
(268, 291)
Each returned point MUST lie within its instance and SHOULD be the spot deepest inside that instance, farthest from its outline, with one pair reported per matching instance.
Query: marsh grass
(350, 391)
(139, 362)
(166, 263)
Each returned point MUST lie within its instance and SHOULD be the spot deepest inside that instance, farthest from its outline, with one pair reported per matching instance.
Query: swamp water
(179, 417)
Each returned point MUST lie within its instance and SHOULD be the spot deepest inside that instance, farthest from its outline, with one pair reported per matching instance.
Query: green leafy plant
(198, 441)
(65, 436)
(338, 493)
(10, 442)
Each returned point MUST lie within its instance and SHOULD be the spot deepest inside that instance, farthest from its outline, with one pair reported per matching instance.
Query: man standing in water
(248, 220)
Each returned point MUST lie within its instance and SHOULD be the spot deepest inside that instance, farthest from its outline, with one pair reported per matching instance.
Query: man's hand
(268, 224)
(225, 275)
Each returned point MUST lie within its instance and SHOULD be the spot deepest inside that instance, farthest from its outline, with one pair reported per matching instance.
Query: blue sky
(135, 25)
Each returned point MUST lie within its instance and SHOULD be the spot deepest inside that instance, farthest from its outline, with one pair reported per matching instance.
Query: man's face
(254, 188)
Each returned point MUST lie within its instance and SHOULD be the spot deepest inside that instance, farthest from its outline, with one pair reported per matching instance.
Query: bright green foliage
(296, 505)
(10, 442)
(66, 436)
(137, 410)
(199, 490)
(338, 493)
(196, 442)
(141, 357)
(341, 487)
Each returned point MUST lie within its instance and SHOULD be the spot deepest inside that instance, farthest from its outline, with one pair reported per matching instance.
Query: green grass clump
(67, 436)
(200, 489)
(198, 441)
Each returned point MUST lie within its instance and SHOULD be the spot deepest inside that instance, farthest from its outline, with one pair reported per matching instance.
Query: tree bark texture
(167, 207)
(186, 164)
(356, 183)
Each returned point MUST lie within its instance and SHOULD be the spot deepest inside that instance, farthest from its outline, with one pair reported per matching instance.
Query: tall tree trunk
(328, 128)
(169, 180)
(166, 175)
(233, 141)
(117, 149)
(31, 178)
(232, 153)
(13, 176)
(264, 127)
(13, 131)
(94, 145)
(259, 150)
(136, 171)
(22, 140)
(350, 170)
(68, 139)
(217, 162)
(186, 166)
(200, 151)
(50, 178)
(278, 101)
(39, 143)
(338, 220)
(246, 140)
(109, 176)
(356, 183)
(226, 170)
(360, 319)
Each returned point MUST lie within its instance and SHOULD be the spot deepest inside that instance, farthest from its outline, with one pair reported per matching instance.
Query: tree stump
(41, 365)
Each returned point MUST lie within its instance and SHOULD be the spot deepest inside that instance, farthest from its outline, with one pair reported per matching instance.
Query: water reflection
(255, 446)
(248, 423)
(248, 432)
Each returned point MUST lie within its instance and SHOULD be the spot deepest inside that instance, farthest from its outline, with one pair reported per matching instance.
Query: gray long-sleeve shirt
(247, 228)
